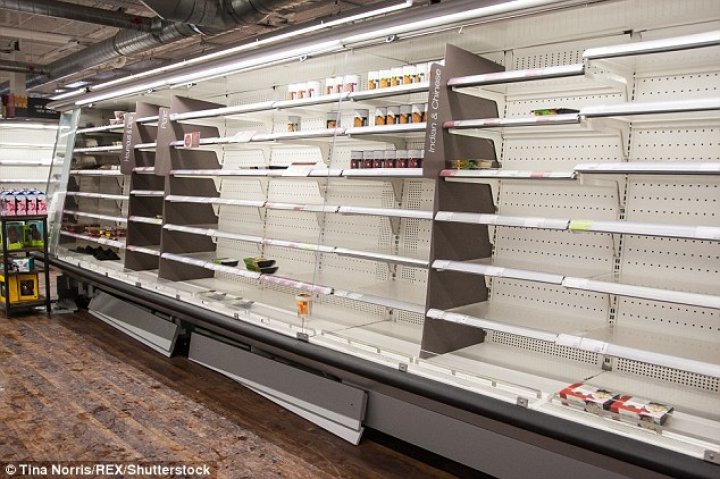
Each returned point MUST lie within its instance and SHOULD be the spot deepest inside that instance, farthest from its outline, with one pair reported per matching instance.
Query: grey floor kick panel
(330, 404)
(151, 330)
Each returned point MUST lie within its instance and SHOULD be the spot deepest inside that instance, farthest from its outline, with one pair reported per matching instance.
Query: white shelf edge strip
(99, 129)
(381, 301)
(144, 170)
(147, 119)
(103, 241)
(389, 212)
(511, 76)
(497, 271)
(314, 208)
(390, 258)
(644, 292)
(655, 46)
(295, 284)
(145, 219)
(114, 172)
(646, 108)
(493, 325)
(95, 215)
(501, 173)
(210, 265)
(386, 129)
(564, 119)
(24, 163)
(147, 192)
(303, 102)
(650, 167)
(98, 149)
(213, 201)
(383, 172)
(276, 173)
(23, 181)
(140, 146)
(104, 196)
(498, 220)
(155, 251)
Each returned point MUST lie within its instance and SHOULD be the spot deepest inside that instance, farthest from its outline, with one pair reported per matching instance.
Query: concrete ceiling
(39, 40)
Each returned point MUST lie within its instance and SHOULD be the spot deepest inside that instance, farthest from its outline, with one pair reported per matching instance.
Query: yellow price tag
(580, 225)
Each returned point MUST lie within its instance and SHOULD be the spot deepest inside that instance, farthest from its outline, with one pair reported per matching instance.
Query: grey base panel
(138, 323)
(334, 406)
(482, 449)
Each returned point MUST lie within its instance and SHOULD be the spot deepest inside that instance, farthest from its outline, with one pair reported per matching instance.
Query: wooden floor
(74, 389)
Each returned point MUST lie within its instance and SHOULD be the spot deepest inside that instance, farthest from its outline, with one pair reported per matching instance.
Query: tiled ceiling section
(39, 40)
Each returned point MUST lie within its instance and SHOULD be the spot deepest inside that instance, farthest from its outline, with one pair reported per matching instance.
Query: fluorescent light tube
(27, 125)
(69, 94)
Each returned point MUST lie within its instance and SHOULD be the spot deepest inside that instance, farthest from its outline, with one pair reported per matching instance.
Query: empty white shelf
(650, 108)
(650, 168)
(100, 129)
(98, 172)
(214, 201)
(381, 301)
(144, 170)
(378, 256)
(686, 42)
(274, 173)
(512, 76)
(202, 263)
(153, 250)
(94, 239)
(99, 149)
(145, 219)
(389, 212)
(541, 120)
(499, 220)
(481, 268)
(102, 196)
(501, 173)
(147, 192)
(386, 129)
(146, 146)
(98, 216)
(646, 229)
(314, 208)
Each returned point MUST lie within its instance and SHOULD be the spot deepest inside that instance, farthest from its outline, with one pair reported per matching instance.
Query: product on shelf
(380, 115)
(476, 164)
(351, 83)
(333, 119)
(418, 112)
(404, 75)
(378, 158)
(393, 115)
(373, 80)
(361, 118)
(22, 265)
(303, 302)
(396, 76)
(23, 203)
(389, 161)
(356, 158)
(638, 410)
(588, 398)
(226, 261)
(401, 159)
(14, 235)
(368, 159)
(415, 159)
(34, 230)
(553, 111)
(409, 74)
(293, 123)
(21, 287)
(405, 114)
(260, 265)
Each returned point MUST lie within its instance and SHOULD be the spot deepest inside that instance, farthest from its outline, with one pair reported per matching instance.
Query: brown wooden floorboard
(74, 389)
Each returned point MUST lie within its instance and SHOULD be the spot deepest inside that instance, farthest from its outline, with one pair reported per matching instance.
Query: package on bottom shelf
(588, 398)
(22, 287)
(634, 409)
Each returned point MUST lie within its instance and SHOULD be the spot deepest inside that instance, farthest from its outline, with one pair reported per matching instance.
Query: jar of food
(339, 84)
(396, 76)
(293, 123)
(389, 159)
(385, 76)
(374, 80)
(301, 91)
(356, 160)
(401, 159)
(417, 112)
(303, 302)
(393, 115)
(378, 158)
(425, 112)
(368, 159)
(333, 119)
(409, 74)
(421, 72)
(329, 85)
(312, 89)
(414, 159)
(292, 91)
(405, 113)
(351, 83)
(380, 114)
(360, 118)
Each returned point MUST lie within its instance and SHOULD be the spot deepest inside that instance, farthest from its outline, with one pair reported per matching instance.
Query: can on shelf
(356, 160)
(409, 74)
(393, 115)
(401, 159)
(380, 114)
(373, 80)
(361, 118)
(368, 158)
(312, 89)
(293, 123)
(405, 114)
(351, 83)
(389, 159)
(333, 119)
(385, 78)
(414, 159)
(417, 112)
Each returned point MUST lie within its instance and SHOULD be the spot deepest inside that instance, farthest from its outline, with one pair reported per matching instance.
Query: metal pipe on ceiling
(81, 13)
(127, 42)
(20, 67)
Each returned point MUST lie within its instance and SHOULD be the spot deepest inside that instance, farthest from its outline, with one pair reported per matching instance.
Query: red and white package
(634, 409)
(588, 398)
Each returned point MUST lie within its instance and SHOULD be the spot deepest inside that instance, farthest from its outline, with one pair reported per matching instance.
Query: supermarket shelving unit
(589, 255)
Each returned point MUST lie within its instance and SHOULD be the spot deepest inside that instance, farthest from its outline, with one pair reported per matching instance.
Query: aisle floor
(74, 389)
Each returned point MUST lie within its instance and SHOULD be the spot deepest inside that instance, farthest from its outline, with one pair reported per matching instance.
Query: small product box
(34, 233)
(21, 287)
(588, 398)
(638, 410)
(356, 160)
(15, 235)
